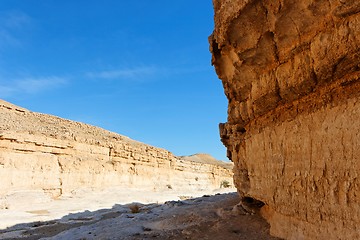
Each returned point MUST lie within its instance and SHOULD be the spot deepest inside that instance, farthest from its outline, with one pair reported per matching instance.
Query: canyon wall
(39, 152)
(291, 70)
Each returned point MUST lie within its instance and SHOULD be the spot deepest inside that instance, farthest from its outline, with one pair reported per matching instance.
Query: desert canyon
(60, 157)
(291, 74)
(290, 70)
(51, 167)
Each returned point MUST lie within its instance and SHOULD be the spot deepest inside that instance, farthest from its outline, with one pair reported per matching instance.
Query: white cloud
(12, 24)
(15, 19)
(30, 85)
(34, 85)
(7, 39)
(141, 74)
(6, 91)
(138, 73)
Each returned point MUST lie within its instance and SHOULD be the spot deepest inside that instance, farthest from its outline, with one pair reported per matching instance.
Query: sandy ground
(91, 217)
(30, 206)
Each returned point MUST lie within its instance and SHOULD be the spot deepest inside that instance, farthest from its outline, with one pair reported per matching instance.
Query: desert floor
(136, 215)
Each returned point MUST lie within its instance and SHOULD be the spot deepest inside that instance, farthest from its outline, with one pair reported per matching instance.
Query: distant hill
(208, 159)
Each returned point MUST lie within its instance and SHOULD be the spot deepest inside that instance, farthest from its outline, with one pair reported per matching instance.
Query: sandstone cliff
(290, 70)
(39, 152)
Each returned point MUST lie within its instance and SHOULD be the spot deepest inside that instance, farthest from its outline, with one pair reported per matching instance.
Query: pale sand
(31, 206)
(207, 217)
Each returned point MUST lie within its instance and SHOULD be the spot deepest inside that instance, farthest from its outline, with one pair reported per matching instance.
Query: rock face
(290, 70)
(39, 152)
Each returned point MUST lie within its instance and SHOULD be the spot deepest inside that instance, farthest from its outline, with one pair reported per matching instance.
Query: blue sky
(139, 68)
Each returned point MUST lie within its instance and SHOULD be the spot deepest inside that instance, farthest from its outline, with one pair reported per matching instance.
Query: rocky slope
(290, 70)
(39, 152)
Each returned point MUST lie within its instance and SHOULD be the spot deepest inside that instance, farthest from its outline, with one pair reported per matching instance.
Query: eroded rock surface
(208, 217)
(290, 70)
(39, 152)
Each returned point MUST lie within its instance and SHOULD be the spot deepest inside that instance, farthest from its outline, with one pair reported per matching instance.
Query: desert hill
(207, 159)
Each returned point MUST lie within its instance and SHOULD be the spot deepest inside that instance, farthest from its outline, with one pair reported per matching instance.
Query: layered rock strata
(39, 152)
(291, 70)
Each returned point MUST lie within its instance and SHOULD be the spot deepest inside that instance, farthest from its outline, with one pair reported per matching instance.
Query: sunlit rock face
(290, 70)
(39, 152)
